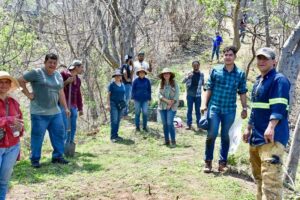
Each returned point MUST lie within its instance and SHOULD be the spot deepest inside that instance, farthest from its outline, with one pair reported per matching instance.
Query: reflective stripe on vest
(263, 105)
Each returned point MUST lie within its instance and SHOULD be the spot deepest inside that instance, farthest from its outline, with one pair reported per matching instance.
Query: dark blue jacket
(141, 89)
(270, 100)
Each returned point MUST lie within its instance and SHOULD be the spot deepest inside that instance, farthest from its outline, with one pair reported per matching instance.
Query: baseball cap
(267, 52)
(74, 64)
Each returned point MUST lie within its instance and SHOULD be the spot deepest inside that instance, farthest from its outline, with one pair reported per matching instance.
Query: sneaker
(126, 117)
(167, 143)
(173, 144)
(119, 139)
(222, 167)
(200, 129)
(60, 161)
(114, 140)
(208, 166)
(188, 128)
(146, 130)
(35, 164)
(137, 130)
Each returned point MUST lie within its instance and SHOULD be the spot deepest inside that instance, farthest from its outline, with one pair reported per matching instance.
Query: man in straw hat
(11, 129)
(268, 129)
(47, 86)
(141, 94)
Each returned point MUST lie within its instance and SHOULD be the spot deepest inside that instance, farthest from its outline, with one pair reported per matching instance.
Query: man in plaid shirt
(224, 83)
(194, 82)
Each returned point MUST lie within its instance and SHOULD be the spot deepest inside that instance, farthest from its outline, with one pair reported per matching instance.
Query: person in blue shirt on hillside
(224, 83)
(217, 42)
(268, 129)
(141, 94)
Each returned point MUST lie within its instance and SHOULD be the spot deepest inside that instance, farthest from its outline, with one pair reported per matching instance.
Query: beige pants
(266, 164)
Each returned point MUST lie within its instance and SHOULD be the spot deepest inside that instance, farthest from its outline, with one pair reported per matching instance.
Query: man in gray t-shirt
(47, 91)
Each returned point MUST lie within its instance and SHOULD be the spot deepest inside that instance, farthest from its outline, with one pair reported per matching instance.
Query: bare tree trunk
(267, 28)
(289, 65)
(294, 154)
(298, 8)
(236, 38)
(252, 50)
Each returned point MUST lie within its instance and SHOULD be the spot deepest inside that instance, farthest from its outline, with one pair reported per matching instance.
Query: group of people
(56, 101)
(267, 131)
(137, 86)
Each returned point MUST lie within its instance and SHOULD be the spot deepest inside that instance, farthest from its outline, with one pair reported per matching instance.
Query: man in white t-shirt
(140, 63)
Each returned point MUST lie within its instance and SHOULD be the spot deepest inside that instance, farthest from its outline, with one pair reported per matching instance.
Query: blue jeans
(128, 88)
(197, 102)
(8, 158)
(73, 120)
(115, 118)
(141, 106)
(167, 119)
(226, 120)
(216, 50)
(55, 126)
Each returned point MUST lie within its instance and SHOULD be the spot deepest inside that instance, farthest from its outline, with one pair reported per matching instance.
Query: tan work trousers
(266, 163)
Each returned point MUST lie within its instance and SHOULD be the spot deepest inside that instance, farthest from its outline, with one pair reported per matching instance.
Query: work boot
(222, 167)
(208, 166)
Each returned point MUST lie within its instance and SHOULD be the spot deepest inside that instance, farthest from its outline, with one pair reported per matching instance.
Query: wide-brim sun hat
(117, 73)
(164, 71)
(141, 70)
(14, 83)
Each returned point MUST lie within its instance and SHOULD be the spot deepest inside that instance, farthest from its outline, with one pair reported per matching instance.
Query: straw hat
(117, 73)
(164, 71)
(14, 83)
(140, 70)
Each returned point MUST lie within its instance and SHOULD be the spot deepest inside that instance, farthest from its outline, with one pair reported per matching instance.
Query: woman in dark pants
(116, 104)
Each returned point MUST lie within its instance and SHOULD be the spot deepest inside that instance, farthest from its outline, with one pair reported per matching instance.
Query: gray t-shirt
(46, 91)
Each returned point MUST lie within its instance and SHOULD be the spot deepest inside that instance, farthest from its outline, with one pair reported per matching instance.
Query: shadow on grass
(82, 162)
(233, 172)
(126, 142)
(154, 133)
(240, 174)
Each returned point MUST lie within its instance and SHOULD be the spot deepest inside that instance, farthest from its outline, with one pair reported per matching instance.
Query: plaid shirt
(224, 86)
(188, 82)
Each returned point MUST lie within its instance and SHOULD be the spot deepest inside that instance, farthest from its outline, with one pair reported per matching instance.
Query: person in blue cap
(268, 127)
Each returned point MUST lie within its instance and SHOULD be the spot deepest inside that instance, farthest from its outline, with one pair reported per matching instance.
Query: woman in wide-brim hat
(141, 94)
(11, 128)
(116, 104)
(168, 96)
